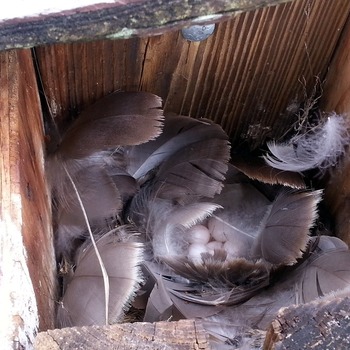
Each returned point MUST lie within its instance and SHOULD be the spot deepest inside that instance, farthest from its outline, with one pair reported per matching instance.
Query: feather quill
(92, 152)
(319, 147)
(83, 303)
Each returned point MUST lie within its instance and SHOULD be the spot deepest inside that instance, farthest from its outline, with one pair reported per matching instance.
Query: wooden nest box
(252, 75)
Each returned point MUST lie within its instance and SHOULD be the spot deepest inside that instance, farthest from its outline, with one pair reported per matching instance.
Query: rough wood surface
(317, 325)
(181, 335)
(336, 97)
(120, 19)
(250, 76)
(26, 258)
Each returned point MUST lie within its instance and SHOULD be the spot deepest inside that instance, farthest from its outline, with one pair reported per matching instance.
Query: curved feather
(284, 232)
(326, 271)
(83, 139)
(256, 169)
(101, 200)
(244, 207)
(320, 147)
(83, 303)
(220, 281)
(178, 133)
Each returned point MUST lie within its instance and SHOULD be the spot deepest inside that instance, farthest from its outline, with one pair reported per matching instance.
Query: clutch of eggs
(216, 234)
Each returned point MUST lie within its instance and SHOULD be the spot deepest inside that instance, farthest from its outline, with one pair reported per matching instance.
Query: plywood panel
(251, 75)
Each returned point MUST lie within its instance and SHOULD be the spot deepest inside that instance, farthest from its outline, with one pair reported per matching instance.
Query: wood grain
(26, 261)
(336, 97)
(321, 324)
(116, 20)
(181, 335)
(251, 76)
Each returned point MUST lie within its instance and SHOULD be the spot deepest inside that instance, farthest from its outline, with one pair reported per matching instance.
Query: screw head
(198, 32)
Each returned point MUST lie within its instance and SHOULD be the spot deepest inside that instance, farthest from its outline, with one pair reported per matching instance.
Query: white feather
(320, 147)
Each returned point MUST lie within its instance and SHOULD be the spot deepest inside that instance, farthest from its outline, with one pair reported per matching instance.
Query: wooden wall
(251, 76)
(336, 98)
(27, 268)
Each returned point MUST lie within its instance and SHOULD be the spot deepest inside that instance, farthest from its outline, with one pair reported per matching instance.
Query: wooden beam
(181, 335)
(27, 266)
(115, 20)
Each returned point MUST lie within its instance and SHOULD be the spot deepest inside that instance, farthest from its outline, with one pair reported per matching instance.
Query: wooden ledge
(322, 324)
(181, 335)
(116, 20)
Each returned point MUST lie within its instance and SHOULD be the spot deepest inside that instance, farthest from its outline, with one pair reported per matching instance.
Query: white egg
(195, 250)
(217, 230)
(214, 245)
(198, 234)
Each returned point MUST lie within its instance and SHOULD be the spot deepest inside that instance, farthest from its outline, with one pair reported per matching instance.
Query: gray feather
(83, 303)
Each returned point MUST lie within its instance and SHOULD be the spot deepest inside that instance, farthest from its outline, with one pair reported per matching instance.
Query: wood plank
(336, 97)
(181, 335)
(251, 76)
(321, 324)
(115, 20)
(27, 278)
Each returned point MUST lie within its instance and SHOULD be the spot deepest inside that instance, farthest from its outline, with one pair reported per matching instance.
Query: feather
(228, 336)
(166, 282)
(256, 169)
(220, 281)
(123, 103)
(284, 232)
(100, 198)
(122, 118)
(188, 162)
(324, 272)
(178, 133)
(98, 172)
(238, 222)
(235, 271)
(108, 124)
(159, 306)
(199, 169)
(126, 184)
(319, 147)
(83, 302)
(84, 139)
